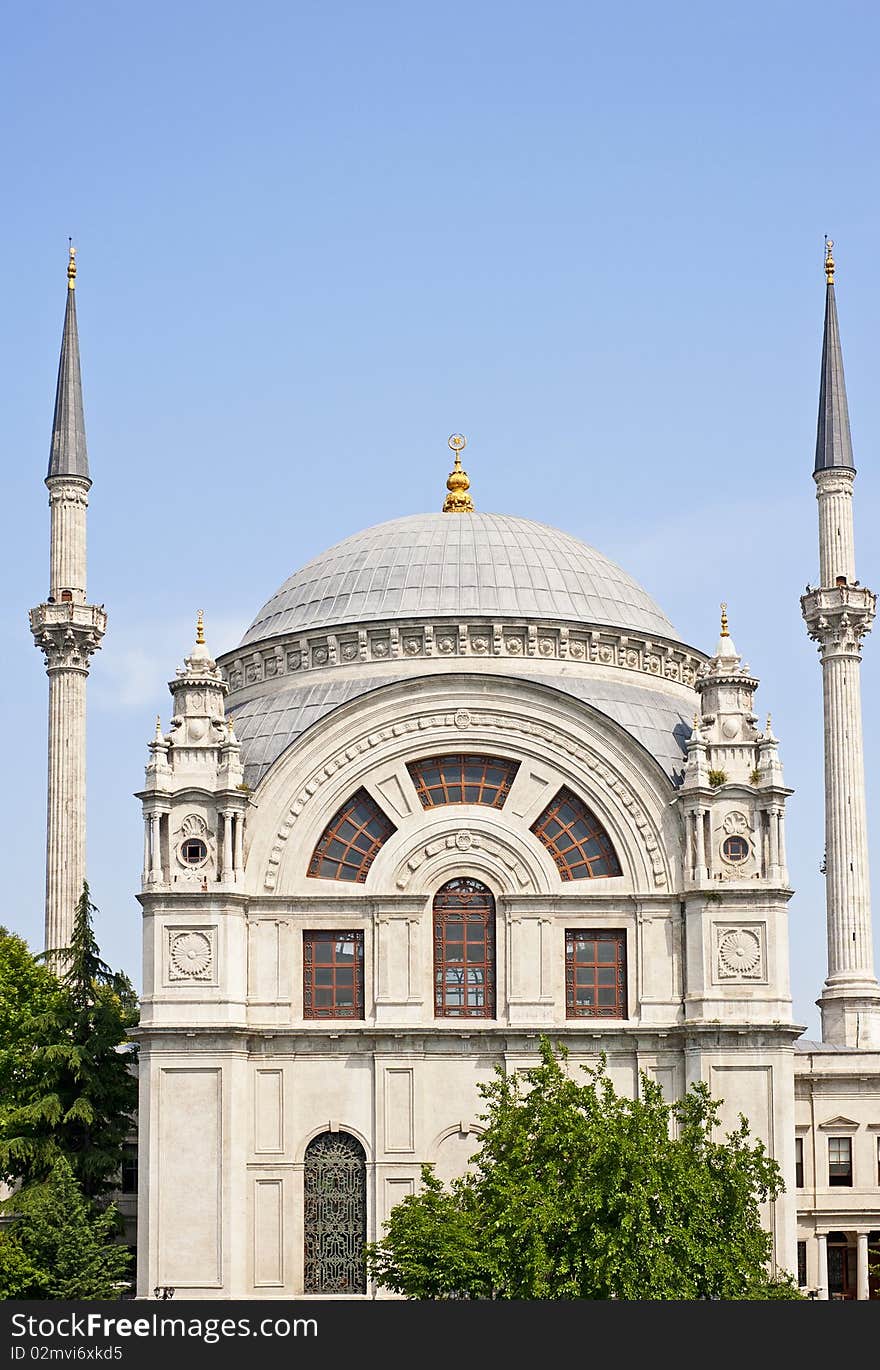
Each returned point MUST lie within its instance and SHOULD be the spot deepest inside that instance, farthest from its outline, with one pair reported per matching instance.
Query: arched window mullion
(351, 840)
(576, 839)
(464, 950)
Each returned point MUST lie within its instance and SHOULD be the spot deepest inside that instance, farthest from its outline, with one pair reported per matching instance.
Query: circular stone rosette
(739, 951)
(191, 954)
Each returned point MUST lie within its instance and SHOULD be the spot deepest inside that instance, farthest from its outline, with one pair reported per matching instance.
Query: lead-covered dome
(442, 565)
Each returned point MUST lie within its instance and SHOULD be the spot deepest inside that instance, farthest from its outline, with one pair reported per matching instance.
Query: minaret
(67, 630)
(838, 613)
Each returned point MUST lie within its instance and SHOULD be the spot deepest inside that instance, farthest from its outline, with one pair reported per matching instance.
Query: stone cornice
(299, 655)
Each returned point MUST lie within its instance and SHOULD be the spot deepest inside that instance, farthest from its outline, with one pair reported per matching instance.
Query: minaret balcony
(68, 633)
(839, 616)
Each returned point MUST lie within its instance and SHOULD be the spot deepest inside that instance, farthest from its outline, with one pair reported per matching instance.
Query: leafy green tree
(58, 1245)
(67, 1067)
(578, 1193)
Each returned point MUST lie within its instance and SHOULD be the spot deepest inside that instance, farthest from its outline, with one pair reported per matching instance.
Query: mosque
(461, 784)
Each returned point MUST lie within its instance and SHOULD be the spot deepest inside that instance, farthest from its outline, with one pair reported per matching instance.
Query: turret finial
(200, 629)
(158, 727)
(829, 260)
(71, 265)
(458, 501)
(725, 631)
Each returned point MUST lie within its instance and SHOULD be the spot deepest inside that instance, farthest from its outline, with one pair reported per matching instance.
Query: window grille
(335, 1215)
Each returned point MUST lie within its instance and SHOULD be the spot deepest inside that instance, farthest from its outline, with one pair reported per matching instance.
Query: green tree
(578, 1193)
(67, 1066)
(58, 1245)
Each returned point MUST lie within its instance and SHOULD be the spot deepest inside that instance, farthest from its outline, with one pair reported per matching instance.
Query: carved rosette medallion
(740, 954)
(190, 955)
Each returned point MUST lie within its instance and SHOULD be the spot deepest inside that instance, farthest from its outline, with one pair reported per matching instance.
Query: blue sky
(316, 238)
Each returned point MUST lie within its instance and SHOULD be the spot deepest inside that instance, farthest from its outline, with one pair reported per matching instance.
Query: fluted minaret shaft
(838, 614)
(67, 630)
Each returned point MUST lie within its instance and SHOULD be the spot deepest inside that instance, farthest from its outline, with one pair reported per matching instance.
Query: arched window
(575, 839)
(464, 950)
(335, 1215)
(351, 839)
(462, 779)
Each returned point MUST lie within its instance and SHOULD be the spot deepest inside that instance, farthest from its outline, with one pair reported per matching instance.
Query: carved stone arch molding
(581, 747)
(420, 861)
(333, 1125)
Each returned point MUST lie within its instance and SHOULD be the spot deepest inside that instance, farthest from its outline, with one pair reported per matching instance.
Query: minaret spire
(838, 614)
(67, 630)
(67, 450)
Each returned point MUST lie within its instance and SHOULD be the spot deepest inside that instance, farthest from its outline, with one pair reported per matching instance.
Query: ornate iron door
(335, 1215)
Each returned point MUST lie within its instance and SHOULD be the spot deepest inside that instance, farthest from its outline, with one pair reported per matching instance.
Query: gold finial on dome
(458, 501)
(725, 632)
(71, 266)
(829, 260)
(200, 629)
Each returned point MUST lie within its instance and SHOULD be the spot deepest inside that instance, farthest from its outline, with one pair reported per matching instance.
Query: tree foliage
(578, 1193)
(58, 1245)
(68, 1088)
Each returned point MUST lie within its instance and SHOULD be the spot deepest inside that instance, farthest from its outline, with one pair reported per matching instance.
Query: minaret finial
(829, 260)
(200, 629)
(725, 631)
(71, 265)
(458, 501)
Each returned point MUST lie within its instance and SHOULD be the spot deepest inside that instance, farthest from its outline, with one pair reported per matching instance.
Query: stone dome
(458, 565)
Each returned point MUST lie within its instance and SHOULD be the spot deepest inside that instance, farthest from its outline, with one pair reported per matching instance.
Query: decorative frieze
(413, 640)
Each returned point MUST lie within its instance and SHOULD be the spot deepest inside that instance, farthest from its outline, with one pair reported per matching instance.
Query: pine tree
(58, 1245)
(72, 1088)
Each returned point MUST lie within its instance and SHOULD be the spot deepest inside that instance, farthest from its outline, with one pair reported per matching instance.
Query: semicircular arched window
(575, 839)
(348, 845)
(335, 1182)
(462, 778)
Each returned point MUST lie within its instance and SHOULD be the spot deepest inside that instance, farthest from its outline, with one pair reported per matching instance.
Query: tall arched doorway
(464, 950)
(335, 1215)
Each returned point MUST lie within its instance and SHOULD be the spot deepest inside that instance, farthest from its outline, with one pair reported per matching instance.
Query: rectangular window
(799, 1162)
(595, 974)
(802, 1264)
(840, 1160)
(129, 1181)
(333, 975)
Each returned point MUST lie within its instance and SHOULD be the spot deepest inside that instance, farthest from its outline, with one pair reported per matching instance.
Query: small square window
(333, 974)
(840, 1161)
(595, 974)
